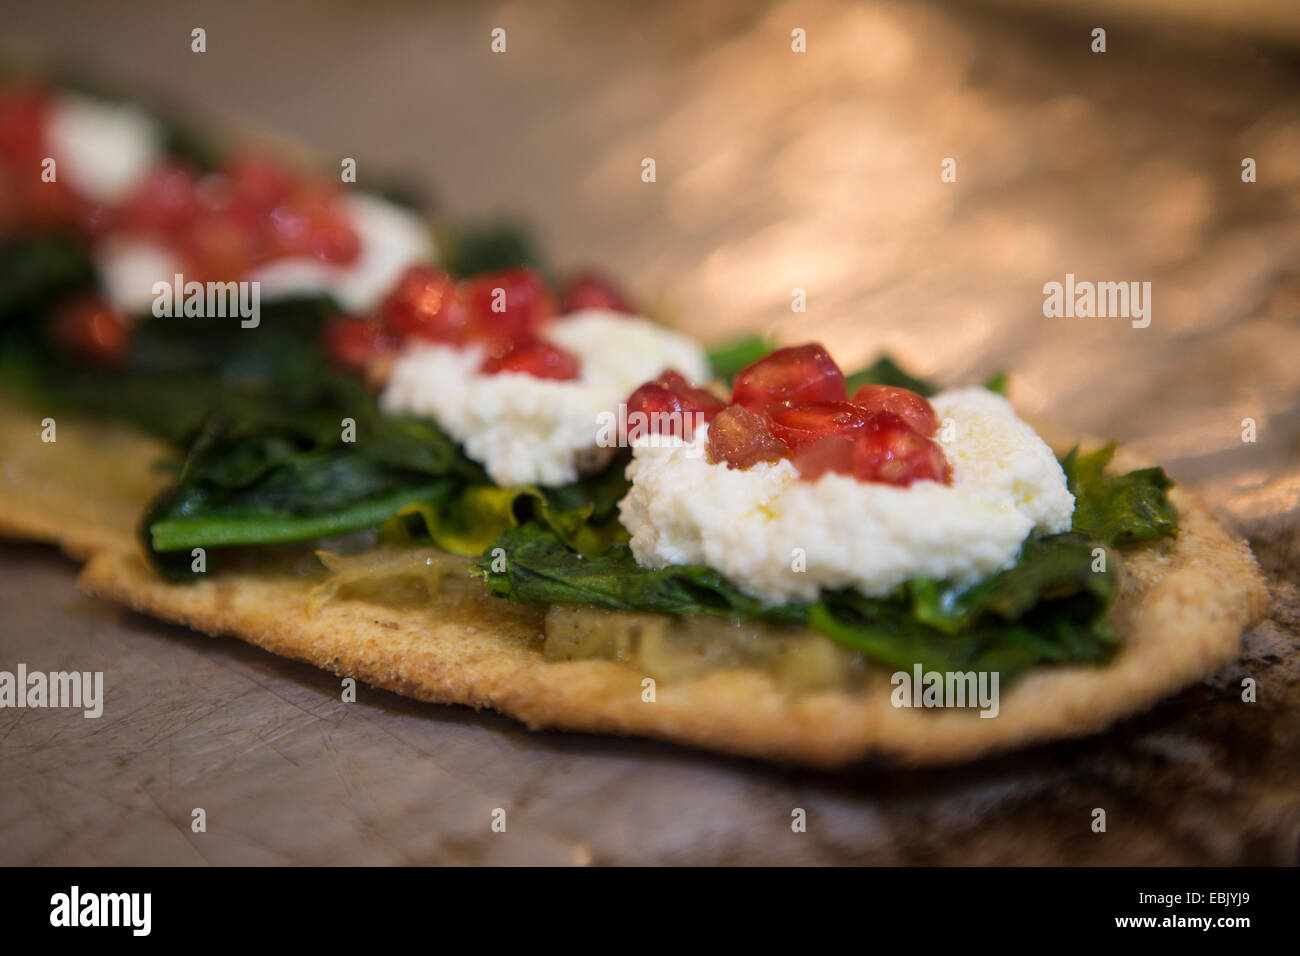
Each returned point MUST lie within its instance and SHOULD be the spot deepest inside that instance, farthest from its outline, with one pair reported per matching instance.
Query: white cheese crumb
(128, 269)
(103, 150)
(753, 525)
(527, 430)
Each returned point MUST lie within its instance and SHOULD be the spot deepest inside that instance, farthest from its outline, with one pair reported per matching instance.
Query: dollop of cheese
(393, 238)
(128, 268)
(781, 538)
(526, 430)
(103, 149)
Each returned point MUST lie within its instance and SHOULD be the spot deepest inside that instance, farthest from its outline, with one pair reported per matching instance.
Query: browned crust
(1183, 610)
(85, 490)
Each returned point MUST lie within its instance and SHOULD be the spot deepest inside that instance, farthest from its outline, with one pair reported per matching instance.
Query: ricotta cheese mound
(392, 239)
(102, 149)
(759, 525)
(128, 268)
(530, 431)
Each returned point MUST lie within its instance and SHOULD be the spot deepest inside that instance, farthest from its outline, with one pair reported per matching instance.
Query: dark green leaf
(1122, 510)
(470, 249)
(1049, 607)
(1052, 564)
(540, 569)
(885, 371)
(36, 272)
(998, 382)
(728, 358)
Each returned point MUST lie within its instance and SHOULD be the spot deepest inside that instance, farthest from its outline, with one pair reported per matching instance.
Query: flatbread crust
(1182, 610)
(83, 491)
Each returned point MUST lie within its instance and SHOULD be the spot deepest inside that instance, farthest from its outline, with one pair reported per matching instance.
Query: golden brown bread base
(85, 490)
(1184, 606)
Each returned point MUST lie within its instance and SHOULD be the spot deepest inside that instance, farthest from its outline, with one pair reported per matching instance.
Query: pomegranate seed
(221, 249)
(671, 405)
(313, 197)
(424, 305)
(831, 454)
(290, 230)
(166, 203)
(741, 438)
(533, 357)
(908, 405)
(92, 331)
(589, 290)
(258, 183)
(335, 242)
(506, 306)
(888, 450)
(24, 112)
(354, 343)
(228, 222)
(800, 424)
(803, 373)
(48, 205)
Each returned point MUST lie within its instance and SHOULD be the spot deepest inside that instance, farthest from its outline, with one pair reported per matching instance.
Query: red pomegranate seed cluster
(254, 210)
(794, 404)
(671, 402)
(222, 224)
(251, 212)
(27, 201)
(590, 290)
(503, 311)
(91, 331)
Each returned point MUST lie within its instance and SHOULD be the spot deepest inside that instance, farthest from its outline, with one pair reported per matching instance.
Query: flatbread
(85, 490)
(1183, 607)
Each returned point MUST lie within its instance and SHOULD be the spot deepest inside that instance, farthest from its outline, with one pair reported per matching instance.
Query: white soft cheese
(757, 525)
(128, 269)
(392, 239)
(527, 430)
(103, 150)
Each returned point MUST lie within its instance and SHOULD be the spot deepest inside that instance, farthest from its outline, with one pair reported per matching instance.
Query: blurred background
(820, 170)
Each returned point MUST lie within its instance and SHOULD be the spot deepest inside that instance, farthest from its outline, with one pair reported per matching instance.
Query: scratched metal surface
(775, 170)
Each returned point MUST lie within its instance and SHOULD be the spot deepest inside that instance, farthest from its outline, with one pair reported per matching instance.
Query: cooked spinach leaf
(885, 371)
(178, 370)
(728, 358)
(35, 273)
(998, 382)
(1121, 510)
(471, 248)
(1050, 606)
(536, 567)
(294, 470)
(583, 514)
